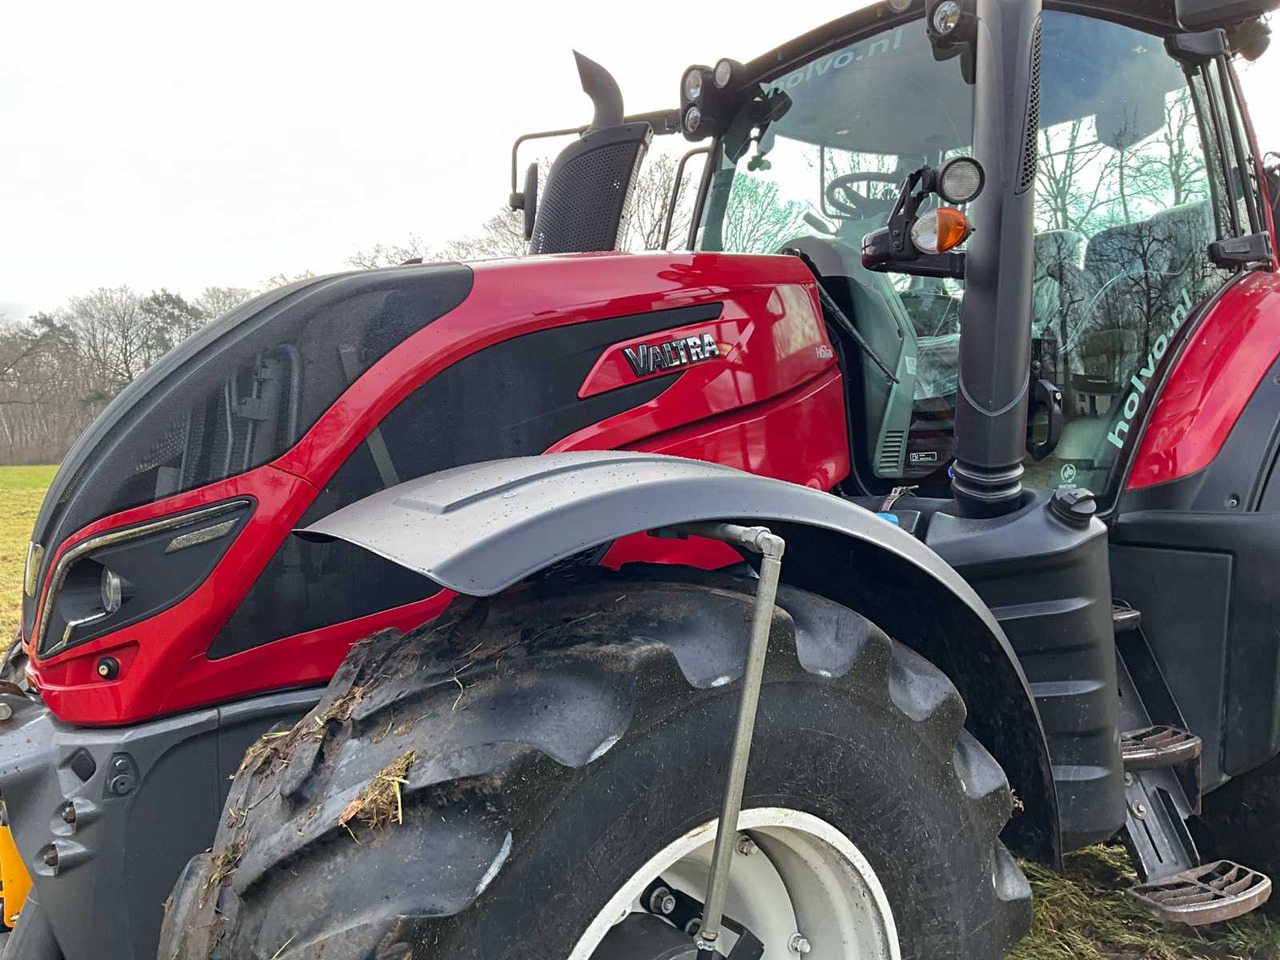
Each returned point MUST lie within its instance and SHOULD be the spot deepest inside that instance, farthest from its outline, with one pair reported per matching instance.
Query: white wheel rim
(805, 877)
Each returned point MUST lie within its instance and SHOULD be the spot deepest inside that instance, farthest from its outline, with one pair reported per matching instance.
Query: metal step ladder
(1162, 790)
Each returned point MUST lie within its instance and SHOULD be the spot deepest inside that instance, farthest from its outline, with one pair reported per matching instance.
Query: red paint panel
(155, 653)
(800, 437)
(1213, 378)
(513, 297)
(163, 664)
(691, 552)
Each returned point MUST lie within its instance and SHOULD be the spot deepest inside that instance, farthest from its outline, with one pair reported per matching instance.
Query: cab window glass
(1129, 196)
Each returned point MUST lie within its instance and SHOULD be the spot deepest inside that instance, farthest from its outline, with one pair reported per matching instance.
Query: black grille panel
(1030, 147)
(588, 191)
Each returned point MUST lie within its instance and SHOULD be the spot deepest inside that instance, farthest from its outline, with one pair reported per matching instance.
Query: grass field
(1080, 915)
(21, 490)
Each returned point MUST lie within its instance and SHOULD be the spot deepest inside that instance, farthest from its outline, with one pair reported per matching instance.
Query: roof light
(940, 230)
(946, 16)
(692, 119)
(724, 73)
(693, 84)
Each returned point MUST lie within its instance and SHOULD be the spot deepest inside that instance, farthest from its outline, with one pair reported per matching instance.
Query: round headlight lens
(693, 84)
(692, 119)
(961, 180)
(112, 590)
(940, 230)
(724, 73)
(946, 16)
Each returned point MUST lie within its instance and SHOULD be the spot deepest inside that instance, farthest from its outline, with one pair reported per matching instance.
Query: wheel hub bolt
(662, 901)
(746, 846)
(799, 945)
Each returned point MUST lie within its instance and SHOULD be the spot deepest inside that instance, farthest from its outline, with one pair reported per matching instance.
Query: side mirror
(529, 199)
(585, 201)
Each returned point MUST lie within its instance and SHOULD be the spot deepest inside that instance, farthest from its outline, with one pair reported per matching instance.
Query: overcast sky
(182, 145)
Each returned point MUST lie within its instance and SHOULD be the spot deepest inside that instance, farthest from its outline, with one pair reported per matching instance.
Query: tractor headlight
(946, 16)
(728, 71)
(692, 119)
(110, 591)
(112, 579)
(693, 84)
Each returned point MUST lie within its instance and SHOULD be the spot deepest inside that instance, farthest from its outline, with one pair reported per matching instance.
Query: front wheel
(538, 776)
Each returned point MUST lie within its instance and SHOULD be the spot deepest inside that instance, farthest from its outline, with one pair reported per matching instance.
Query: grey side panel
(147, 799)
(479, 529)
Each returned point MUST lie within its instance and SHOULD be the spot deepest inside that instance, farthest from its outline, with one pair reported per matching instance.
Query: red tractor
(756, 601)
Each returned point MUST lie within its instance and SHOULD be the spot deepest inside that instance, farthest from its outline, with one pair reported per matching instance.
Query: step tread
(1158, 746)
(1210, 893)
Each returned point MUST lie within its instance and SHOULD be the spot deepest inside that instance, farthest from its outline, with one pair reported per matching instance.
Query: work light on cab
(960, 180)
(693, 84)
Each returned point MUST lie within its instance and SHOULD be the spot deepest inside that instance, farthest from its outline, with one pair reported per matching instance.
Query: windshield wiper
(842, 320)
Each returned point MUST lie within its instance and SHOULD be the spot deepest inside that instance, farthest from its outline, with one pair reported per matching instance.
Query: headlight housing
(121, 576)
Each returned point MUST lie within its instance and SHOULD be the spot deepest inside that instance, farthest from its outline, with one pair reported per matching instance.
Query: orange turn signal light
(940, 230)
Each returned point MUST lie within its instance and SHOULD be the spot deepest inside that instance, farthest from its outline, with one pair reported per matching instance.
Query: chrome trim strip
(203, 535)
(110, 537)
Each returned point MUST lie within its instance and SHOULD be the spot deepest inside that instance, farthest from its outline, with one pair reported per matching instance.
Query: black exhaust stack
(995, 345)
(585, 201)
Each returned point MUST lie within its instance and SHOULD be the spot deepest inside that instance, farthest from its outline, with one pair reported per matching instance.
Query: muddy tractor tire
(497, 783)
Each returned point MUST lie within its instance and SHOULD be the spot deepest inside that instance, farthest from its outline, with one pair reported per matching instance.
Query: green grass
(21, 490)
(1081, 914)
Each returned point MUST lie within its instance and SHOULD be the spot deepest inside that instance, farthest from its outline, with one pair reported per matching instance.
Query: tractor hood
(237, 394)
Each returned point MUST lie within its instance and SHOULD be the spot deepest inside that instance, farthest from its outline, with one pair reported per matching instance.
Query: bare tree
(172, 317)
(389, 255)
(502, 235)
(1073, 170)
(1171, 170)
(284, 279)
(650, 200)
(213, 302)
(118, 338)
(756, 220)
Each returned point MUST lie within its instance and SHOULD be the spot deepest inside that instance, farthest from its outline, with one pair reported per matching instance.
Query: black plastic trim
(152, 802)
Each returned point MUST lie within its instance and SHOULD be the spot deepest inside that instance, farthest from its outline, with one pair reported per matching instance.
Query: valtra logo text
(650, 358)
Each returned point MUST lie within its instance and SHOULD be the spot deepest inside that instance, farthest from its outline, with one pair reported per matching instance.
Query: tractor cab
(1132, 154)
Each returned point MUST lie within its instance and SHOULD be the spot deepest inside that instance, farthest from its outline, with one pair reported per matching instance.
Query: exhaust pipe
(995, 342)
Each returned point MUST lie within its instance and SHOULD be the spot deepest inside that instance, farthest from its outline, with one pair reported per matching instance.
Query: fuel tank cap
(1074, 505)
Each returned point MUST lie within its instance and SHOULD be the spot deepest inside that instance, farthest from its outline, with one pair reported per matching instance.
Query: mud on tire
(482, 786)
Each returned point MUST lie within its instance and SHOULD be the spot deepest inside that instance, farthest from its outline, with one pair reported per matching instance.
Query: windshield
(1128, 197)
